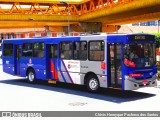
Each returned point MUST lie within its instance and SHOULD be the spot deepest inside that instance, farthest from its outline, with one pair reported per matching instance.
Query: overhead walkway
(54, 13)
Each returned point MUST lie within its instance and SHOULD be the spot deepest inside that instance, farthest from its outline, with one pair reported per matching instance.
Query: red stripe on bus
(54, 72)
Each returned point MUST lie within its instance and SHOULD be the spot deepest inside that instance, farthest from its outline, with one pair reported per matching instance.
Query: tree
(157, 40)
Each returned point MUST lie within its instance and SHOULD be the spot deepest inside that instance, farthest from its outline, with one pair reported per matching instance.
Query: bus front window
(139, 55)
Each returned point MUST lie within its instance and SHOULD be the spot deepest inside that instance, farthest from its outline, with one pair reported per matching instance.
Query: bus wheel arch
(31, 76)
(92, 82)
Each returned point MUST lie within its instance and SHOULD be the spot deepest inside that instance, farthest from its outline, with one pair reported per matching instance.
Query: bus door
(17, 59)
(114, 62)
(52, 61)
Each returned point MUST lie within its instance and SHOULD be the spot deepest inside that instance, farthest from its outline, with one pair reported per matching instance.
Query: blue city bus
(120, 61)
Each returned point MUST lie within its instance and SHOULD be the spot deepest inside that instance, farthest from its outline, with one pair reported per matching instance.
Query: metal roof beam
(106, 11)
(45, 1)
(31, 24)
(53, 18)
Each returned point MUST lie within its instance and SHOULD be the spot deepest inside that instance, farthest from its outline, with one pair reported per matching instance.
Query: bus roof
(117, 37)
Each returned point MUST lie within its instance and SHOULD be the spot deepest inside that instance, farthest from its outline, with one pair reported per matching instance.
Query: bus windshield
(140, 55)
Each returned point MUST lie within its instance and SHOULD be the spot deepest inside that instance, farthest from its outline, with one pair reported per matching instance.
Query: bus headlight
(126, 77)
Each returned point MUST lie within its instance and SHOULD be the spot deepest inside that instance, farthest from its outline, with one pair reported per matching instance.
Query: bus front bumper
(133, 84)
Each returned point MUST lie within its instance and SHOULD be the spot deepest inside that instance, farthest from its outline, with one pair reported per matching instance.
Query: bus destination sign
(142, 38)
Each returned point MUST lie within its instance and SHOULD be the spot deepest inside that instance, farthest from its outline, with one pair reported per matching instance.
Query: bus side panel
(61, 77)
(53, 68)
(23, 71)
(39, 67)
(70, 71)
(96, 67)
(65, 71)
(24, 64)
(38, 64)
(8, 65)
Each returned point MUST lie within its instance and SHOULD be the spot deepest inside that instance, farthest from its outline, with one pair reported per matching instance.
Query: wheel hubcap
(93, 84)
(31, 77)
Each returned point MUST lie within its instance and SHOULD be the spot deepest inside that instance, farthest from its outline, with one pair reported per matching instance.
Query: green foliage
(157, 39)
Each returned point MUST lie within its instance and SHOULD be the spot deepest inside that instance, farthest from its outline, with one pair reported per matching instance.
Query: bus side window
(38, 50)
(8, 49)
(80, 50)
(96, 50)
(66, 50)
(76, 50)
(27, 50)
(83, 50)
(53, 53)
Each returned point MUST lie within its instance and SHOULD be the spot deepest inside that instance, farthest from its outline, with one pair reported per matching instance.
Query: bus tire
(31, 76)
(92, 83)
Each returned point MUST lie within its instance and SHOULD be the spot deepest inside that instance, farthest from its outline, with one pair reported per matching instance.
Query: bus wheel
(31, 76)
(92, 83)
